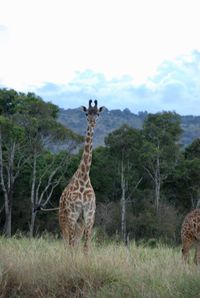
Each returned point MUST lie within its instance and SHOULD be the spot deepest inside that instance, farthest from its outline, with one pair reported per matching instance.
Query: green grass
(45, 268)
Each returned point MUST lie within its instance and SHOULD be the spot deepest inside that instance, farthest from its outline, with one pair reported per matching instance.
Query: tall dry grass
(45, 268)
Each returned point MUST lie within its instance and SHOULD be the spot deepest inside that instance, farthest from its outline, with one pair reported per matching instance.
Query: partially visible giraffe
(190, 235)
(77, 202)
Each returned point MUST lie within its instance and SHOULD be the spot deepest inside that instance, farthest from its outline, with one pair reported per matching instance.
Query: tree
(39, 120)
(193, 150)
(184, 180)
(124, 145)
(28, 130)
(12, 151)
(103, 174)
(160, 149)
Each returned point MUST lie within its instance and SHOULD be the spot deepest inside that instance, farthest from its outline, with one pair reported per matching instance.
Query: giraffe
(77, 202)
(190, 235)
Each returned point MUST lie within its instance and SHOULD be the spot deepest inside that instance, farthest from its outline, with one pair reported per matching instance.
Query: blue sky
(136, 54)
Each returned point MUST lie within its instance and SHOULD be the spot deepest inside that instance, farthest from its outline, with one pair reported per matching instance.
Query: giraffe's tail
(39, 207)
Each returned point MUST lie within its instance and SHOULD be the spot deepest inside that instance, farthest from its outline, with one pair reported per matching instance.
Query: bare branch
(51, 191)
(136, 186)
(150, 174)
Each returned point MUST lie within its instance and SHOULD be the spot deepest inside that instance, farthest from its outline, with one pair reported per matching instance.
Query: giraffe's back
(191, 226)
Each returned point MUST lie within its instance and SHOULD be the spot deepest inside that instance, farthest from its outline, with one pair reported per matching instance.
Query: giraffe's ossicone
(190, 235)
(77, 202)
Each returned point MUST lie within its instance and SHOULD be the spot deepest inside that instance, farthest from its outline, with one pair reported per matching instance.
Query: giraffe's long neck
(86, 159)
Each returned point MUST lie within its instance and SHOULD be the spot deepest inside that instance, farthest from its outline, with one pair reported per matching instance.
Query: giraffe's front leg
(89, 222)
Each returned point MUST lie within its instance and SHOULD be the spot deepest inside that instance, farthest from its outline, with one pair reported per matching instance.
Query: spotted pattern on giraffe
(190, 235)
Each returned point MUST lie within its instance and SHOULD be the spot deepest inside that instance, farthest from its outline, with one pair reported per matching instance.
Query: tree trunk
(33, 214)
(8, 223)
(157, 183)
(32, 224)
(7, 190)
(198, 203)
(123, 204)
(40, 195)
(8, 213)
(157, 195)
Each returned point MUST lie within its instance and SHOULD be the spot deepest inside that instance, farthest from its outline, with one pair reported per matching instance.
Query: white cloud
(176, 86)
(50, 40)
(49, 45)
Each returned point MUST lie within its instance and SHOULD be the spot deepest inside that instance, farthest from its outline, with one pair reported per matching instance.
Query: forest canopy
(144, 180)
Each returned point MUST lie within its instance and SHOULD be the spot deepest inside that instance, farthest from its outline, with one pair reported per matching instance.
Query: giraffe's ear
(84, 109)
(101, 109)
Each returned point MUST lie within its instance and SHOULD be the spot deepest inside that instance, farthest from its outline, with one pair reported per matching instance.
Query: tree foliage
(28, 127)
(143, 179)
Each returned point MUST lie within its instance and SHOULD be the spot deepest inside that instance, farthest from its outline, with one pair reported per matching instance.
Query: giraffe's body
(77, 202)
(190, 234)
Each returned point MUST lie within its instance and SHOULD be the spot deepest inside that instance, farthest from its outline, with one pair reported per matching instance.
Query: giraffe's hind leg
(197, 253)
(67, 228)
(73, 231)
(186, 245)
(79, 231)
(72, 227)
(75, 228)
(64, 227)
(88, 232)
(65, 235)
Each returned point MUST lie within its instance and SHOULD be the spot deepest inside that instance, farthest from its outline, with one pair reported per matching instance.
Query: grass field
(45, 268)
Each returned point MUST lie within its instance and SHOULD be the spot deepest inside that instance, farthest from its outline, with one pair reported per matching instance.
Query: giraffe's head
(92, 113)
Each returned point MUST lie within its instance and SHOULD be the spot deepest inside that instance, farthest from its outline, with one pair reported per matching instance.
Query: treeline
(29, 171)
(144, 181)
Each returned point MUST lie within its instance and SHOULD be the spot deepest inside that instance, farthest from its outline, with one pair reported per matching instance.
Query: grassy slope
(44, 268)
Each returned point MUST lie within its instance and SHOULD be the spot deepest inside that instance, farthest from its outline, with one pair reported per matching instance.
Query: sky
(143, 55)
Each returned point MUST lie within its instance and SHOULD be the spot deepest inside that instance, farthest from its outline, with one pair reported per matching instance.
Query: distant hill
(113, 119)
